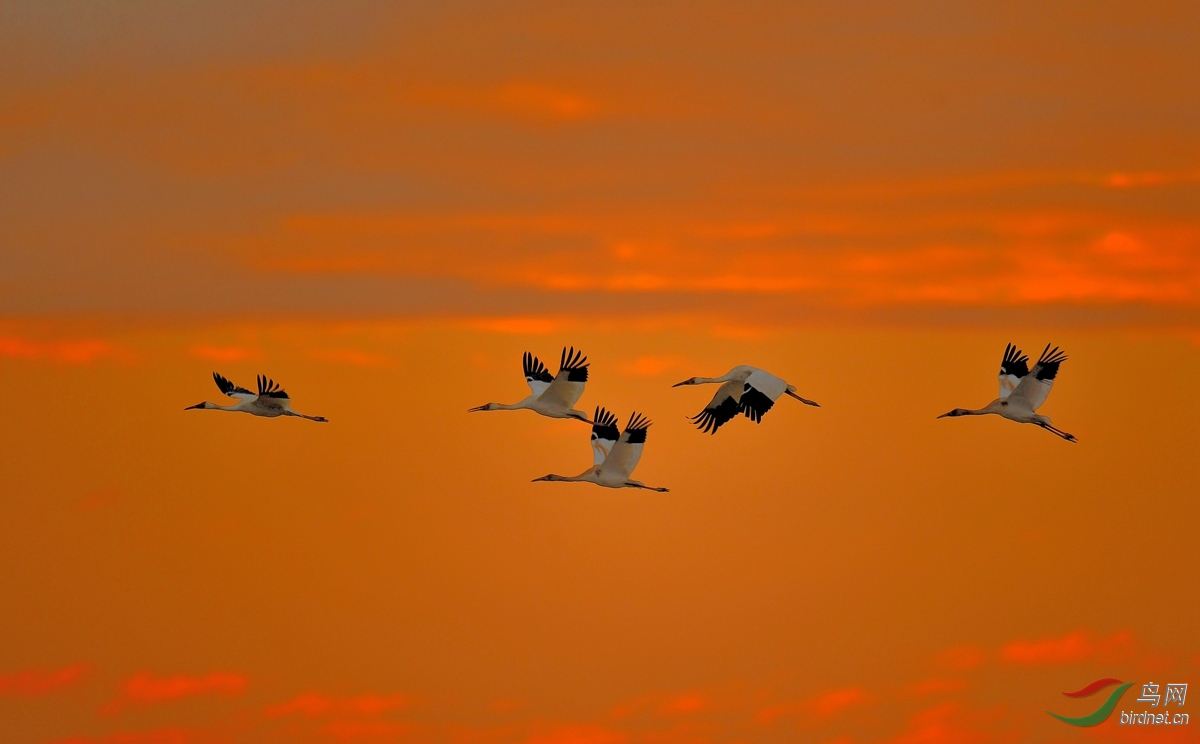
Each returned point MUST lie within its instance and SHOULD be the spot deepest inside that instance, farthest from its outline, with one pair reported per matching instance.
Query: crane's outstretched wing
(270, 389)
(1035, 386)
(628, 450)
(759, 393)
(536, 374)
(723, 407)
(604, 434)
(567, 386)
(233, 391)
(1013, 368)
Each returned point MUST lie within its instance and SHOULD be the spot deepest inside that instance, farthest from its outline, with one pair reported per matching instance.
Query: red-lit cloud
(684, 704)
(147, 689)
(35, 682)
(223, 353)
(353, 357)
(1151, 178)
(1026, 257)
(664, 705)
(578, 734)
(313, 704)
(521, 326)
(374, 731)
(78, 351)
(820, 707)
(1069, 649)
(953, 723)
(169, 735)
(650, 366)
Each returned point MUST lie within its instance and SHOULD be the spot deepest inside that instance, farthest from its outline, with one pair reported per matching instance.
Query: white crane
(744, 389)
(270, 401)
(1023, 391)
(550, 396)
(615, 454)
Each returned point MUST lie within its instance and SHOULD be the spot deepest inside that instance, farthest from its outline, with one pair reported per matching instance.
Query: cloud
(350, 731)
(353, 357)
(824, 706)
(37, 682)
(311, 704)
(684, 704)
(156, 736)
(79, 351)
(650, 366)
(953, 723)
(974, 259)
(663, 705)
(146, 689)
(520, 326)
(1071, 648)
(223, 353)
(578, 734)
(1151, 178)
(663, 168)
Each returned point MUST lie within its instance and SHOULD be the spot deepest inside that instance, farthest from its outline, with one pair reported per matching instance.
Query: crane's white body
(554, 397)
(1023, 390)
(270, 401)
(744, 389)
(614, 455)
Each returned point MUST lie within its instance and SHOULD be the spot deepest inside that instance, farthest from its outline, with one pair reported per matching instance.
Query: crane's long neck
(206, 406)
(504, 406)
(992, 407)
(518, 406)
(706, 380)
(588, 476)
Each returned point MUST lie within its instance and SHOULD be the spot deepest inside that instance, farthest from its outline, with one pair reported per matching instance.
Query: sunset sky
(383, 205)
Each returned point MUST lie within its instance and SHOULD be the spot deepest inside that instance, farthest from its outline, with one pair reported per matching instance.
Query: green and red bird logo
(1104, 711)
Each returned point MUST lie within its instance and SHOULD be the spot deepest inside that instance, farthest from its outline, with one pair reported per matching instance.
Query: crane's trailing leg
(1059, 432)
(805, 401)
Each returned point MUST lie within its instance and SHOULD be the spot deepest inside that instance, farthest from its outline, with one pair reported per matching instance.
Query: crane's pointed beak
(543, 478)
(198, 405)
(477, 408)
(947, 413)
(685, 382)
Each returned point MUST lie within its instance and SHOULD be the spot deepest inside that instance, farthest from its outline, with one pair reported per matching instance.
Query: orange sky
(383, 208)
